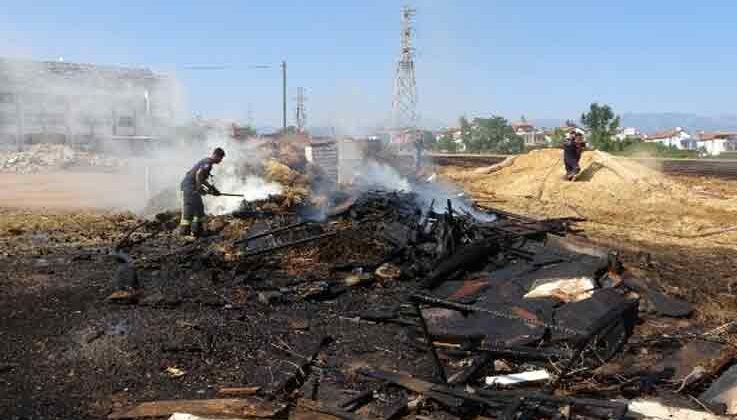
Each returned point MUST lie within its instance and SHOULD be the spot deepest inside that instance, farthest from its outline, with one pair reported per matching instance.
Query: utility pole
(301, 115)
(284, 96)
(404, 103)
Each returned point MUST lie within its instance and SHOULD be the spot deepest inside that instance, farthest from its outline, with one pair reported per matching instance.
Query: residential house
(716, 143)
(676, 137)
(628, 133)
(532, 136)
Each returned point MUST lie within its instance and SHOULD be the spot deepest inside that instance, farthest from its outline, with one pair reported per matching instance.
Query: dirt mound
(610, 190)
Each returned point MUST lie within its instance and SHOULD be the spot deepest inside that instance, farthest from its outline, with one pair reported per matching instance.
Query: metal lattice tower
(404, 103)
(301, 116)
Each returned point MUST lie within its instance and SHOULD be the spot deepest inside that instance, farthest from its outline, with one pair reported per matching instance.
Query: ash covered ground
(225, 311)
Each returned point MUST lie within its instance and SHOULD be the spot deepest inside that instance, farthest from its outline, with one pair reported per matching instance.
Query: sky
(538, 58)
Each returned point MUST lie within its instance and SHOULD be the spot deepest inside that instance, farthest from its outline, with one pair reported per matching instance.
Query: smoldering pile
(274, 177)
(506, 317)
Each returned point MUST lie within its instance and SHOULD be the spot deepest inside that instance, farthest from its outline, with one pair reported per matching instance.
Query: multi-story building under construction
(49, 101)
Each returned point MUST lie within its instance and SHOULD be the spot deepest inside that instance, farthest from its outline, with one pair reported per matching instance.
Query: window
(126, 122)
(7, 98)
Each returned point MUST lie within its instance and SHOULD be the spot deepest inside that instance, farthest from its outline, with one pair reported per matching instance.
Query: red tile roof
(715, 135)
(663, 134)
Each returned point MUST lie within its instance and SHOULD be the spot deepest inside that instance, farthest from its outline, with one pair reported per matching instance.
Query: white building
(676, 137)
(532, 137)
(64, 102)
(715, 143)
(628, 133)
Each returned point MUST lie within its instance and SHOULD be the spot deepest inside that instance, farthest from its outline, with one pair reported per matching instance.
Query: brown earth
(72, 190)
(681, 231)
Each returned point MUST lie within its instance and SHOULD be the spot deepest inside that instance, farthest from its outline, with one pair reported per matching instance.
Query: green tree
(244, 131)
(558, 136)
(446, 143)
(493, 134)
(466, 131)
(602, 125)
(428, 139)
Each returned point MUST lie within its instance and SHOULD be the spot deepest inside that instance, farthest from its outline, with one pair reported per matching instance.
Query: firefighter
(194, 185)
(573, 146)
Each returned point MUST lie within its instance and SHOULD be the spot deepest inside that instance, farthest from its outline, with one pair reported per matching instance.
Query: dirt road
(73, 190)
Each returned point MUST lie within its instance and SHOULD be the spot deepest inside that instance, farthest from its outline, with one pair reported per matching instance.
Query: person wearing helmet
(194, 185)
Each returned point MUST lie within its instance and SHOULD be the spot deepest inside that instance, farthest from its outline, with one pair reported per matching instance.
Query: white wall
(713, 147)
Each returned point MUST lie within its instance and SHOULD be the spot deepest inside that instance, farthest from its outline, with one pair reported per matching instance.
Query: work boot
(184, 230)
(196, 229)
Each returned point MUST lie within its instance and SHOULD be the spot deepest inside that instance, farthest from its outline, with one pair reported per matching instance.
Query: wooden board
(248, 390)
(233, 407)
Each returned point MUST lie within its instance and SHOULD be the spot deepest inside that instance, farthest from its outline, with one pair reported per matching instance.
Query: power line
(404, 102)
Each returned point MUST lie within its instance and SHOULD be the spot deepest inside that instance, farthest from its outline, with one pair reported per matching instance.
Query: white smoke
(253, 188)
(375, 175)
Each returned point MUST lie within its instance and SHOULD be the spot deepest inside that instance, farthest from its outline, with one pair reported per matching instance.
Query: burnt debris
(452, 290)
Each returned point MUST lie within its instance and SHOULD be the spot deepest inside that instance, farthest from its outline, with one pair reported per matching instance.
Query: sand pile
(611, 191)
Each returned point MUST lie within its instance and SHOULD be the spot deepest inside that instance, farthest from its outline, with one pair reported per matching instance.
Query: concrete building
(716, 143)
(47, 101)
(628, 133)
(532, 136)
(676, 137)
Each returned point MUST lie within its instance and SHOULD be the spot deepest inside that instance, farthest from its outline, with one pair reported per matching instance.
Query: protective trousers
(571, 159)
(193, 209)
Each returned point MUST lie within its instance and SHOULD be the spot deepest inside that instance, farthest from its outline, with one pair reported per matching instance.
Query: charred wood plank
(306, 409)
(248, 390)
(397, 409)
(290, 244)
(270, 232)
(467, 257)
(415, 385)
(358, 400)
(439, 370)
(239, 407)
(295, 381)
(519, 353)
(468, 374)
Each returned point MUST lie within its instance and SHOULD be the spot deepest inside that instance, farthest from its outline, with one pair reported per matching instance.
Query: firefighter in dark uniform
(572, 150)
(194, 185)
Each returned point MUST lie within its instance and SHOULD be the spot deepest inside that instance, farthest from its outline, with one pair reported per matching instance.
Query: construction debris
(49, 157)
(566, 290)
(518, 378)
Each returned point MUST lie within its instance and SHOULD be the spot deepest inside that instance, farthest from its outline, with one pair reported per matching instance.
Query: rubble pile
(391, 306)
(48, 157)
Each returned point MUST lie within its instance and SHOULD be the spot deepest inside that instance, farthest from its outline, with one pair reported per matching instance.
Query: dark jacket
(189, 183)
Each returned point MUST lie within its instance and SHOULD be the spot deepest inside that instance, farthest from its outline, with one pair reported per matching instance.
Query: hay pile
(295, 185)
(610, 191)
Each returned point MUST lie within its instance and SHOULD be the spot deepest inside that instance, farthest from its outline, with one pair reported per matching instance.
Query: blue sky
(540, 58)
